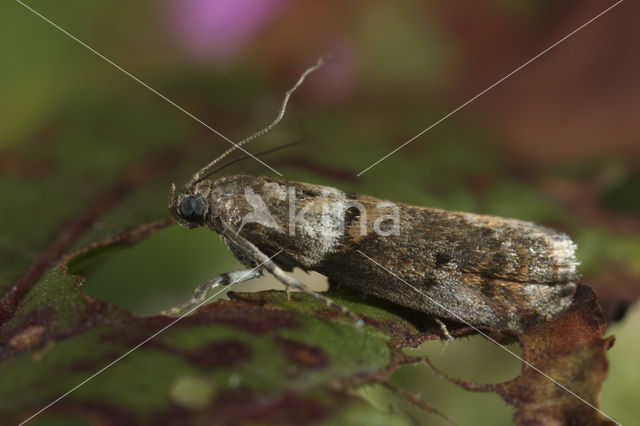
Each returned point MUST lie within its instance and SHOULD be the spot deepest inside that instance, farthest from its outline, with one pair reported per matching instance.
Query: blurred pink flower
(218, 30)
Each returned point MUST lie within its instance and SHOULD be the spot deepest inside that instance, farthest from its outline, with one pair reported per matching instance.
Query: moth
(484, 271)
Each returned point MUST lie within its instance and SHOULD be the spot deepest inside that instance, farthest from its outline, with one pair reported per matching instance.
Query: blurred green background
(557, 143)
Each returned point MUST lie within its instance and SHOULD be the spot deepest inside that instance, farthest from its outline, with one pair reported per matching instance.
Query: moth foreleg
(200, 294)
(290, 282)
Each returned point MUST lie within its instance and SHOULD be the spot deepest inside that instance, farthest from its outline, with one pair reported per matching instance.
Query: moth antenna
(198, 176)
(244, 157)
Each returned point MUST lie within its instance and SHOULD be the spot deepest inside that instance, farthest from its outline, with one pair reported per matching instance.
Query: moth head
(188, 207)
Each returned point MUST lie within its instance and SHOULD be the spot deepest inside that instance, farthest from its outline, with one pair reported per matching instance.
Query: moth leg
(200, 294)
(446, 334)
(290, 282)
(444, 329)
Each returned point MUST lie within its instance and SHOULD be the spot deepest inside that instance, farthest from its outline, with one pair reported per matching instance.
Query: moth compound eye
(192, 209)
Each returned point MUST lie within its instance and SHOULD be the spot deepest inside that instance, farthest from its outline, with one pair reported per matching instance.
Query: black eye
(192, 209)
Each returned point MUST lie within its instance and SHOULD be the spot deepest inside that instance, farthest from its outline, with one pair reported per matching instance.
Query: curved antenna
(245, 156)
(198, 176)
